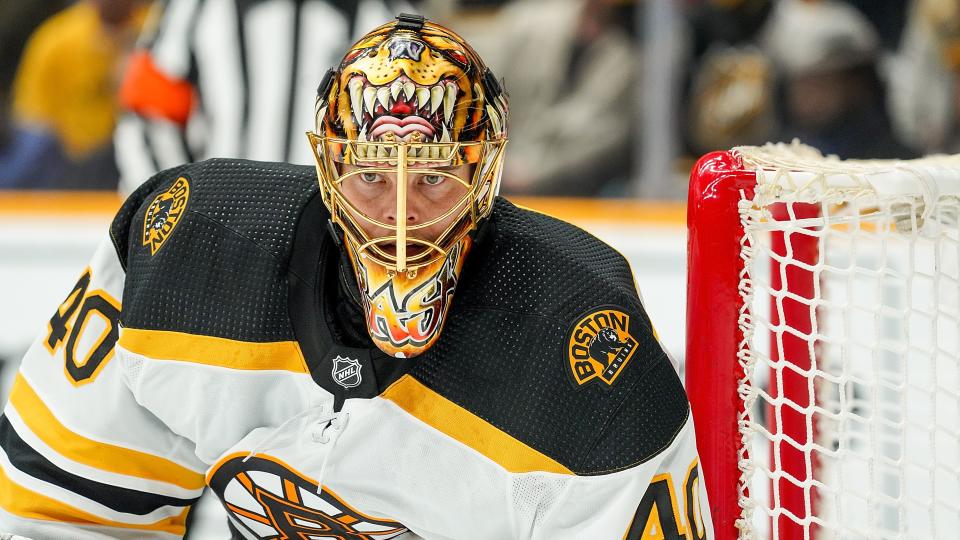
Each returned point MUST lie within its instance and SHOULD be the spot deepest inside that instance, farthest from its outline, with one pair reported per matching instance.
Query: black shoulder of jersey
(525, 348)
(206, 246)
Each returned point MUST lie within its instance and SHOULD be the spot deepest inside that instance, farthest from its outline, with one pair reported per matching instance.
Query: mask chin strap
(335, 232)
(346, 250)
(480, 232)
(345, 274)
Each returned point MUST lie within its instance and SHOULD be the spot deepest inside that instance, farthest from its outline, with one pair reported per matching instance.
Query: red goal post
(820, 302)
(713, 275)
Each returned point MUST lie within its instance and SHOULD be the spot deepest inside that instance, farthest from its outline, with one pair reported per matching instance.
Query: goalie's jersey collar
(326, 319)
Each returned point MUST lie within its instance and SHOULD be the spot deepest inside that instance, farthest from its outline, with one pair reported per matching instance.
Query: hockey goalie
(389, 352)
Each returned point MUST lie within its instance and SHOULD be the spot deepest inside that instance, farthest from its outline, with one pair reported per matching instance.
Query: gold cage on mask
(332, 155)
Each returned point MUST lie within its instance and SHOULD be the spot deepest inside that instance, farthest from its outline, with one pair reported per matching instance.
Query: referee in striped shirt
(232, 78)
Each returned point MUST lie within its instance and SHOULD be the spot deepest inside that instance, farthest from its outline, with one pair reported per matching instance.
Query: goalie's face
(435, 199)
(401, 211)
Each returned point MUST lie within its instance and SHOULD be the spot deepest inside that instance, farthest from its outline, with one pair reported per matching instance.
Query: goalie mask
(409, 148)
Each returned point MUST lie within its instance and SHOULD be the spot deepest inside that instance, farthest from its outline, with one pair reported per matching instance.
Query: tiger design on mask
(414, 86)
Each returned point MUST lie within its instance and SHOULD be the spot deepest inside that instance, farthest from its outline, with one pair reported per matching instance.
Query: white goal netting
(851, 317)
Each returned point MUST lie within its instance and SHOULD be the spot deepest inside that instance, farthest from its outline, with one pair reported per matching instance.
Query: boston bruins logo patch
(600, 346)
(164, 213)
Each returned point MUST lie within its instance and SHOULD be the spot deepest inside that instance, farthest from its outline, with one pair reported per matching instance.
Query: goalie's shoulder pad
(206, 247)
(549, 333)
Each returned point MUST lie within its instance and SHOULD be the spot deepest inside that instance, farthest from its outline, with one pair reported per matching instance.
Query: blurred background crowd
(611, 98)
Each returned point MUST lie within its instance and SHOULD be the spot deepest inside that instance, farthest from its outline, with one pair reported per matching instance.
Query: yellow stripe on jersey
(444, 415)
(29, 504)
(214, 351)
(103, 456)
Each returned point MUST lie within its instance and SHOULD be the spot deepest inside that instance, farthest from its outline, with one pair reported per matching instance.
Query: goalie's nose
(412, 215)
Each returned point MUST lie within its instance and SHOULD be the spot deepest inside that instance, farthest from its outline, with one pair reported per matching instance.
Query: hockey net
(823, 343)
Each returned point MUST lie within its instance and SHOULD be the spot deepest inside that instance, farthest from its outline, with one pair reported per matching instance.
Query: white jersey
(549, 417)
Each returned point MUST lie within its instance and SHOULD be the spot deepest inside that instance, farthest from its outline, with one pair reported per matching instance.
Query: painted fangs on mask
(436, 97)
(356, 87)
(368, 103)
(494, 119)
(449, 99)
(383, 96)
(369, 100)
(423, 97)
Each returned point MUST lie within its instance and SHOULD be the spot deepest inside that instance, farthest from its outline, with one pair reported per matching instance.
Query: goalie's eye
(433, 179)
(370, 177)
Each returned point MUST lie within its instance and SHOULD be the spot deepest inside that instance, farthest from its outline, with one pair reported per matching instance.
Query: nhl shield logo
(600, 346)
(346, 372)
